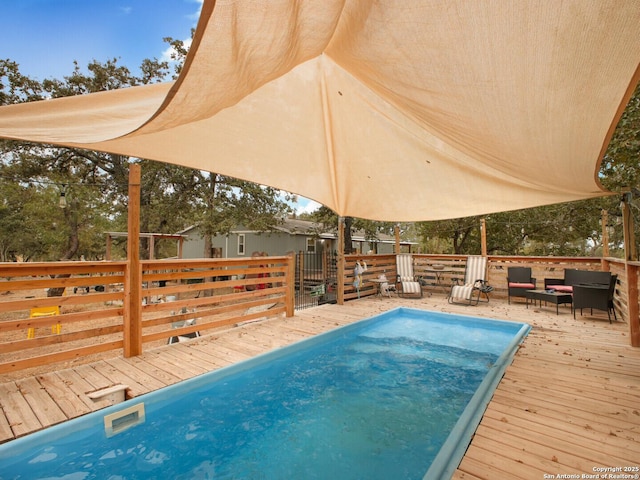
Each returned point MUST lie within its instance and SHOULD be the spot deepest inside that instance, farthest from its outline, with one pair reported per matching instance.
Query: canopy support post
(133, 279)
(396, 232)
(483, 236)
(340, 273)
(605, 233)
(631, 270)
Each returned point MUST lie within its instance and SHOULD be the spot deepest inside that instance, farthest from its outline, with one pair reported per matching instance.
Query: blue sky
(45, 36)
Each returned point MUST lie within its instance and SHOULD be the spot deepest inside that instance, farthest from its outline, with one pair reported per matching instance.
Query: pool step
(114, 394)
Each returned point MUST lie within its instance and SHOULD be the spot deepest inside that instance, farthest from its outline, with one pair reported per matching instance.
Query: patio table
(378, 283)
(438, 274)
(548, 296)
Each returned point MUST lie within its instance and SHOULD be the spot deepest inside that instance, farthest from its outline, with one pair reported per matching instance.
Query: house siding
(274, 243)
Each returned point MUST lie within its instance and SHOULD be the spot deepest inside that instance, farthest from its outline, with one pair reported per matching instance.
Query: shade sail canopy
(386, 110)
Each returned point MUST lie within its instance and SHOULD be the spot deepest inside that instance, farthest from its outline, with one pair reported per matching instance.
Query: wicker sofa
(573, 277)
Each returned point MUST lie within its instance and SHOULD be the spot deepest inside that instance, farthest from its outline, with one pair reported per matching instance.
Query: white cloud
(299, 204)
(196, 15)
(166, 54)
(304, 205)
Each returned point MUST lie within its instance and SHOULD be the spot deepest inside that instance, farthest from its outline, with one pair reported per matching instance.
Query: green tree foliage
(566, 229)
(328, 220)
(32, 177)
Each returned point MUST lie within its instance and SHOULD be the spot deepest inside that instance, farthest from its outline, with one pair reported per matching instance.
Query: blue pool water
(395, 396)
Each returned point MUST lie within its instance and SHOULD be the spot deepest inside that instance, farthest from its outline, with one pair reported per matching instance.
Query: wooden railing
(182, 297)
(179, 298)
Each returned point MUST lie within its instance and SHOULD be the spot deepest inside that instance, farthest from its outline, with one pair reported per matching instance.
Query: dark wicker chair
(519, 280)
(595, 296)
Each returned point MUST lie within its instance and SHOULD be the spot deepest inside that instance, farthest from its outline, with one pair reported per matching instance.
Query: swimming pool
(393, 396)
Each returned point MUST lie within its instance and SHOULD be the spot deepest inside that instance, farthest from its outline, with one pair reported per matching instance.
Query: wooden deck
(569, 403)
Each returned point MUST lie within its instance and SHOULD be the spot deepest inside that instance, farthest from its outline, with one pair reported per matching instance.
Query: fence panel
(315, 279)
(183, 298)
(180, 298)
(52, 312)
(376, 265)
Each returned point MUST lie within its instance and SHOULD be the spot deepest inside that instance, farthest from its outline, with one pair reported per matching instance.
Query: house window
(241, 244)
(311, 245)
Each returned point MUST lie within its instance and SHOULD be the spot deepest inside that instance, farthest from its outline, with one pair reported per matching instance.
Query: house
(293, 235)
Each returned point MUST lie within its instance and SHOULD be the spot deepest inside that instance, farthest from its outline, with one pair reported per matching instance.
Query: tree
(566, 229)
(230, 202)
(461, 235)
(328, 219)
(96, 183)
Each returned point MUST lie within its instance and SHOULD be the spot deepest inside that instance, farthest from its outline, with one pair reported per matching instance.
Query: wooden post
(396, 232)
(483, 236)
(133, 282)
(632, 307)
(605, 233)
(108, 253)
(627, 224)
(325, 266)
(631, 270)
(301, 267)
(340, 273)
(152, 247)
(291, 285)
(180, 246)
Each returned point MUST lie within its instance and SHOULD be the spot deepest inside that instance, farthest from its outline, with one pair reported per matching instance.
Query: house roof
(386, 110)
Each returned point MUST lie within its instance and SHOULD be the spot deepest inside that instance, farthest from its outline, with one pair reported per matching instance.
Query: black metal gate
(315, 279)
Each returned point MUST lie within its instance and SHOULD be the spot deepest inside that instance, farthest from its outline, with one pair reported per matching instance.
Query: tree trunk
(73, 245)
(348, 243)
(208, 245)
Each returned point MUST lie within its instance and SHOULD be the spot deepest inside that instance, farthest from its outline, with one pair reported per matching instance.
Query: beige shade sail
(387, 110)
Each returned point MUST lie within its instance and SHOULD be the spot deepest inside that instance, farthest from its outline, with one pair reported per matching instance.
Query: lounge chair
(407, 281)
(519, 280)
(183, 323)
(474, 285)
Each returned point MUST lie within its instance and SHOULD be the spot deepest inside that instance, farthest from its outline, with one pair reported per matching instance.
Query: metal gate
(315, 282)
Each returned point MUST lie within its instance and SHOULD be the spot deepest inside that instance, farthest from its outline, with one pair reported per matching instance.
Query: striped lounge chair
(475, 283)
(406, 280)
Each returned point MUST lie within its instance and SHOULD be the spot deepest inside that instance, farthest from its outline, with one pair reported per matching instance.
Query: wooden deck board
(44, 407)
(168, 365)
(17, 410)
(198, 364)
(5, 429)
(93, 377)
(569, 402)
(206, 350)
(529, 421)
(510, 463)
(168, 378)
(73, 381)
(485, 464)
(67, 400)
(573, 443)
(118, 377)
(567, 414)
(140, 377)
